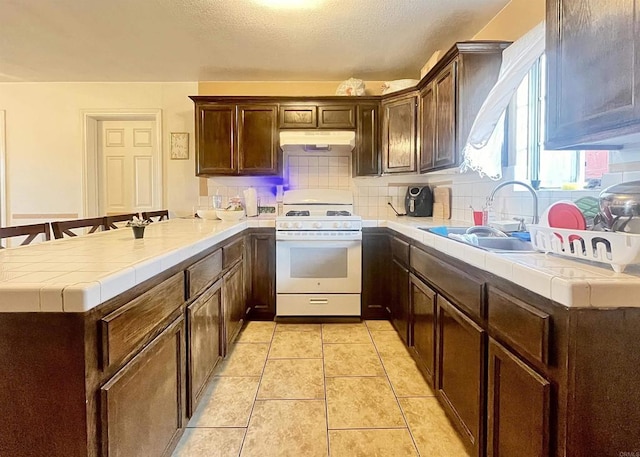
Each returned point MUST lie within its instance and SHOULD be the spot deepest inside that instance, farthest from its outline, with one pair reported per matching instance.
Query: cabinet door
(366, 157)
(215, 128)
(262, 293)
(518, 407)
(427, 128)
(400, 300)
(593, 70)
(143, 403)
(257, 140)
(445, 141)
(375, 275)
(336, 117)
(203, 341)
(423, 323)
(459, 371)
(298, 117)
(233, 303)
(399, 135)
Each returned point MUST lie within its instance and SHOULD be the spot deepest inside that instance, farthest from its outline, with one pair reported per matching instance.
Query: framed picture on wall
(179, 145)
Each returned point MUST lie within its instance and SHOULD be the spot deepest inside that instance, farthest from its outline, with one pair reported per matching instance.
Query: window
(551, 169)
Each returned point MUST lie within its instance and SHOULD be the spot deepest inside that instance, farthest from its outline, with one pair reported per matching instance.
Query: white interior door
(127, 154)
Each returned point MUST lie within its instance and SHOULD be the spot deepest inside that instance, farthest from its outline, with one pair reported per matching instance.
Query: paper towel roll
(251, 202)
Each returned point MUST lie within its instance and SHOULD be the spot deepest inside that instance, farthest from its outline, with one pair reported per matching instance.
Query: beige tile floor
(343, 390)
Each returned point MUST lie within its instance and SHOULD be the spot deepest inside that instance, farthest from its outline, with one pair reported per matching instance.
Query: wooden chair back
(161, 215)
(62, 228)
(111, 220)
(30, 231)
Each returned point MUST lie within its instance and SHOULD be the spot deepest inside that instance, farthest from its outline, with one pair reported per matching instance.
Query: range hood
(318, 140)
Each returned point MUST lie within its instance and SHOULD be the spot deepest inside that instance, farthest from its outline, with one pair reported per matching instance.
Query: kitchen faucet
(524, 184)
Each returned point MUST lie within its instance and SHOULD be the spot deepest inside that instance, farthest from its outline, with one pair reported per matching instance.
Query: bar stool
(111, 220)
(30, 231)
(62, 228)
(162, 215)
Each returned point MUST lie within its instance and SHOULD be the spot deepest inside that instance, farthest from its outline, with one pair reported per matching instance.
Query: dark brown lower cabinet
(204, 343)
(423, 323)
(460, 359)
(375, 274)
(518, 406)
(399, 302)
(143, 404)
(233, 303)
(261, 275)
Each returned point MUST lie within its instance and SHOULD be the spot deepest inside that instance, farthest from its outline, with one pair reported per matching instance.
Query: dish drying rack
(615, 248)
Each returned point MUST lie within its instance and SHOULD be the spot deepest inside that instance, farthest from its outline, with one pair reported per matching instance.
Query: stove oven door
(313, 267)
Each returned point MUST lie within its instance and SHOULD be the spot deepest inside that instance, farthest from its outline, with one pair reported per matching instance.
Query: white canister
(251, 202)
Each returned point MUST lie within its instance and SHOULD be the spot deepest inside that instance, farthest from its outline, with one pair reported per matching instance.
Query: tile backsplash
(372, 195)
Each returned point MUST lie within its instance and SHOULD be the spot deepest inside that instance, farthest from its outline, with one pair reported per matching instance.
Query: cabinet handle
(318, 301)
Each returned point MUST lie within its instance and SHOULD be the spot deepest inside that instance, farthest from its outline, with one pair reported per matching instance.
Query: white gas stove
(319, 254)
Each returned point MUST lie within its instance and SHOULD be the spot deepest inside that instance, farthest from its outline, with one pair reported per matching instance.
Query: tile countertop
(569, 282)
(77, 274)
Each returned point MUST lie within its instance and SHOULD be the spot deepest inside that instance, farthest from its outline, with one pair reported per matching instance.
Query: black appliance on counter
(419, 202)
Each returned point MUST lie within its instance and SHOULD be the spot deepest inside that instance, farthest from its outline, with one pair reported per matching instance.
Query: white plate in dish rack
(615, 248)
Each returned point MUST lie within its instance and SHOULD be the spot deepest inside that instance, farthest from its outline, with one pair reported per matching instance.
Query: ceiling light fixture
(291, 4)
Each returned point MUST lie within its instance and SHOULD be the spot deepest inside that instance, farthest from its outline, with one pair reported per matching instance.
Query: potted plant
(138, 226)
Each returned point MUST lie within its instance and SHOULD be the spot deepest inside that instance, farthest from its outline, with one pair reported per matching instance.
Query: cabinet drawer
(464, 290)
(131, 326)
(232, 252)
(519, 324)
(336, 117)
(298, 117)
(400, 250)
(204, 272)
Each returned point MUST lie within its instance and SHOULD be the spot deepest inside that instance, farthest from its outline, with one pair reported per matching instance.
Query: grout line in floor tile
(326, 400)
(257, 390)
(370, 428)
(393, 390)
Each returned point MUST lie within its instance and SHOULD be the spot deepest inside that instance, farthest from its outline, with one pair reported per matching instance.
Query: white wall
(44, 142)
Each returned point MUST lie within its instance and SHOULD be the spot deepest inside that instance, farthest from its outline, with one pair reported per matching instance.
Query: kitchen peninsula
(103, 330)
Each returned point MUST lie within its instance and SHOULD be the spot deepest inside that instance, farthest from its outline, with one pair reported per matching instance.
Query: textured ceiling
(244, 40)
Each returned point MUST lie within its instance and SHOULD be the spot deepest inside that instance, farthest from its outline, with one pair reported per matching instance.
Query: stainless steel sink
(487, 243)
(504, 244)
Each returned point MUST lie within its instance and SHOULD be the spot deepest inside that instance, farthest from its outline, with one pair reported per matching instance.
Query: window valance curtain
(483, 149)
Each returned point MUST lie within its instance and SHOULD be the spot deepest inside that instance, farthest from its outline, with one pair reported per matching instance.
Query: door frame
(4, 199)
(90, 154)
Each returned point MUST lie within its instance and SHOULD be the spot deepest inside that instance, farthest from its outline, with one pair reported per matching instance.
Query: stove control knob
(336, 224)
(298, 225)
(317, 225)
(284, 225)
(347, 225)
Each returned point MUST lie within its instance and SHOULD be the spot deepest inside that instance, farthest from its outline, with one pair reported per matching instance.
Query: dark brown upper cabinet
(399, 139)
(236, 139)
(321, 116)
(593, 69)
(366, 156)
(298, 117)
(336, 117)
(451, 97)
(257, 143)
(215, 126)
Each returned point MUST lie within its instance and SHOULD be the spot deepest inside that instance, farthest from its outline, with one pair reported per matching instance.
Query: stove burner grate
(338, 213)
(298, 213)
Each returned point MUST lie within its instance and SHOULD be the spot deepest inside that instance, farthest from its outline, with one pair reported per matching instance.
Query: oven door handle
(318, 301)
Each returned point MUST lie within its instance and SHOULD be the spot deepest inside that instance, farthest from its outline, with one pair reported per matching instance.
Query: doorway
(122, 169)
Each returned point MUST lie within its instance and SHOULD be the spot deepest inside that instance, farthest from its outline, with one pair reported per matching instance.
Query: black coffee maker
(419, 202)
